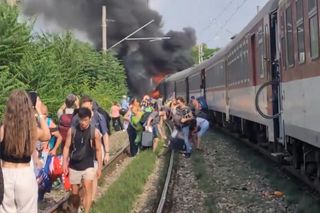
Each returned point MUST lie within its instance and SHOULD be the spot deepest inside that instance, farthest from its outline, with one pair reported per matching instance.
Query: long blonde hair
(20, 127)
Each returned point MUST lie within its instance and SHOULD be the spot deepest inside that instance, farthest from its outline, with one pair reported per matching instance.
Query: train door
(203, 83)
(276, 79)
(187, 90)
(273, 85)
(165, 90)
(174, 89)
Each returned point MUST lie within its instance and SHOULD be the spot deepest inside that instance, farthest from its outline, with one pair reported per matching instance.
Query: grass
(123, 193)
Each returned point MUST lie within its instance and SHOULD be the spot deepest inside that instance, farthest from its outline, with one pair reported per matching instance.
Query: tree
(54, 65)
(207, 52)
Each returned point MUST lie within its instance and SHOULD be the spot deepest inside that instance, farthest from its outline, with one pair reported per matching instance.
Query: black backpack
(106, 117)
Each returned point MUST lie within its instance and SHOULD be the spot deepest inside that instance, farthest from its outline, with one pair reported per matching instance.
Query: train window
(313, 24)
(261, 53)
(312, 5)
(300, 31)
(289, 37)
(283, 41)
(313, 28)
(299, 8)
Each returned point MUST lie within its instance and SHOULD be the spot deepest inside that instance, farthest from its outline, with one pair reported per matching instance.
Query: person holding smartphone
(18, 135)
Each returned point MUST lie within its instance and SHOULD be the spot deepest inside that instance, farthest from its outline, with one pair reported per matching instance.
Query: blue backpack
(43, 179)
(203, 103)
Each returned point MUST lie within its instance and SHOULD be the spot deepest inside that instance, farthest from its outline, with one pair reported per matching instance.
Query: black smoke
(142, 59)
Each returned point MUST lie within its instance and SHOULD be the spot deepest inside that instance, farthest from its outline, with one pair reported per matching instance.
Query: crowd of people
(190, 122)
(72, 151)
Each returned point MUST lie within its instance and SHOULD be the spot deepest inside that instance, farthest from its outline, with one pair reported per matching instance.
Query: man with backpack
(65, 114)
(105, 114)
(83, 141)
(99, 122)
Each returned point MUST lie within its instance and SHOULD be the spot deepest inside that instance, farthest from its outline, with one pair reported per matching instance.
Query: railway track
(165, 189)
(64, 205)
(277, 158)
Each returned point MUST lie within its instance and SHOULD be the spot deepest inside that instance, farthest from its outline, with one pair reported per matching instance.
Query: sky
(215, 21)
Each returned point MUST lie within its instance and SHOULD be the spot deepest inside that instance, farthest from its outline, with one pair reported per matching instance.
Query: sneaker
(187, 155)
(56, 184)
(80, 209)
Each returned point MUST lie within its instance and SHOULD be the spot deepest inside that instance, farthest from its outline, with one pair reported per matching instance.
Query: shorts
(155, 131)
(204, 126)
(77, 176)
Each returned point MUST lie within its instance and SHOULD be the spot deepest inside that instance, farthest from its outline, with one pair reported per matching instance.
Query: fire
(155, 94)
(158, 78)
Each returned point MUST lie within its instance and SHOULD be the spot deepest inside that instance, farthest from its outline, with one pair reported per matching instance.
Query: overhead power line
(214, 19)
(224, 25)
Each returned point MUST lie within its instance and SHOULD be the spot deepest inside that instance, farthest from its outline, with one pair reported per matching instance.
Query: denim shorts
(204, 126)
(155, 131)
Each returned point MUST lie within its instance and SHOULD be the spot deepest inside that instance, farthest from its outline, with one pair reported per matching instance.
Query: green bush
(54, 65)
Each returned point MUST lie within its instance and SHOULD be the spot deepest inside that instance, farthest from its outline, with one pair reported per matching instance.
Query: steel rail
(168, 179)
(66, 197)
(279, 162)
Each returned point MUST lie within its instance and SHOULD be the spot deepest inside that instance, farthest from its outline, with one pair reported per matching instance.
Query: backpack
(78, 155)
(145, 117)
(44, 180)
(53, 139)
(64, 125)
(203, 114)
(117, 125)
(203, 103)
(107, 117)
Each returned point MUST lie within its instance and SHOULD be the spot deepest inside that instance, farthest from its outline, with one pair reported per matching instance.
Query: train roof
(269, 7)
(178, 75)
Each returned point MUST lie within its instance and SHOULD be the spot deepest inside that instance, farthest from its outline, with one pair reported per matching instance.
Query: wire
(214, 20)
(221, 28)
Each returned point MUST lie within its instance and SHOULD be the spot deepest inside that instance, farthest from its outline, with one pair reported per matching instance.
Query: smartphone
(33, 97)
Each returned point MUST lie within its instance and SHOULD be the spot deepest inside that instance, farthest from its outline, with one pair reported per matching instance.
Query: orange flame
(155, 94)
(158, 78)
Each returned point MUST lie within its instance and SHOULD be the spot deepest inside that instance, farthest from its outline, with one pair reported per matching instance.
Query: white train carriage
(264, 84)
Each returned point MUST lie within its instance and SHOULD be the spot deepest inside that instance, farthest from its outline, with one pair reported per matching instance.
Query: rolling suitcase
(146, 139)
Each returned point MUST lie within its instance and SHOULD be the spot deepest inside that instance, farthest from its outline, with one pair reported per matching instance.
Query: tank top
(10, 158)
(82, 139)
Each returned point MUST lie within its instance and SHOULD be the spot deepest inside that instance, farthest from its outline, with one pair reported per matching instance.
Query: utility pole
(12, 2)
(200, 53)
(104, 29)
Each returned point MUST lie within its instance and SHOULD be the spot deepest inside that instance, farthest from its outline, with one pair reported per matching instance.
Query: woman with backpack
(18, 136)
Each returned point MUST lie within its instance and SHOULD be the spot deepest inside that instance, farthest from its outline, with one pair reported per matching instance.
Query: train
(265, 84)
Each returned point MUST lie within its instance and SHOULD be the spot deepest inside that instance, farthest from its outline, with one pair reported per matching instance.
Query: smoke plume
(142, 59)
